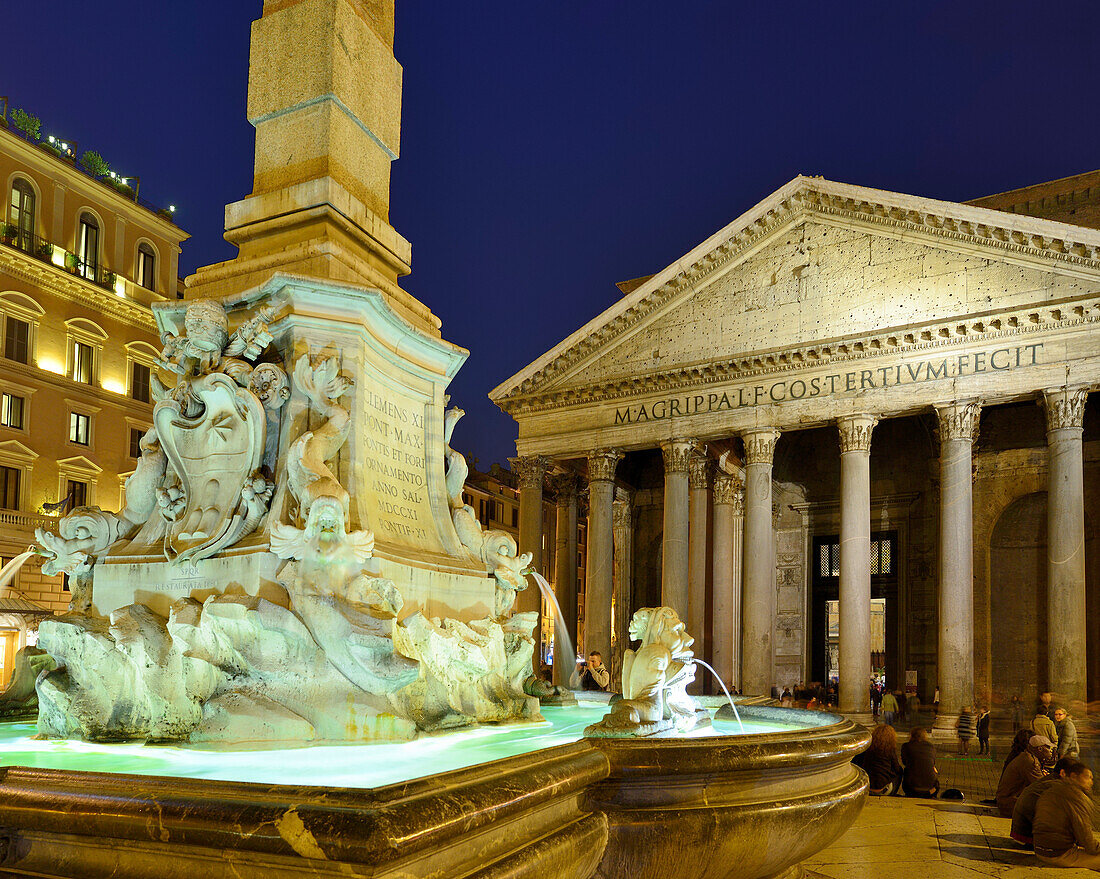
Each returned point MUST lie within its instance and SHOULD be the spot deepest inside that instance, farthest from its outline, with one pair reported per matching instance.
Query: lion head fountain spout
(655, 679)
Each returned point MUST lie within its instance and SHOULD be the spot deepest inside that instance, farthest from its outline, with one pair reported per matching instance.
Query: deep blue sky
(551, 149)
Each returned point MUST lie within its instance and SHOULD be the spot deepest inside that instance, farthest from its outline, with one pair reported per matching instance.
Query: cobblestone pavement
(939, 839)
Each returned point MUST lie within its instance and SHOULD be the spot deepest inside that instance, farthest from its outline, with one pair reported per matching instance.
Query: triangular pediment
(12, 449)
(820, 261)
(79, 462)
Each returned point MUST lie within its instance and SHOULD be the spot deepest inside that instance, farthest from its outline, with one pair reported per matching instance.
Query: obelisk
(324, 95)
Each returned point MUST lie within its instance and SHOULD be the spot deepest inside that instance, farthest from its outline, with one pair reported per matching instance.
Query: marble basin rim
(745, 806)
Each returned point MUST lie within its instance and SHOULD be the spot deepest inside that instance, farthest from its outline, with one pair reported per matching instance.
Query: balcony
(19, 519)
(48, 252)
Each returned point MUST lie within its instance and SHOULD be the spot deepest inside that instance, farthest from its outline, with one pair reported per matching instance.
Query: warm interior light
(114, 387)
(51, 366)
(120, 286)
(58, 257)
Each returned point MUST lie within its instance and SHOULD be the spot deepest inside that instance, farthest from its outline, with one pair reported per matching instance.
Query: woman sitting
(880, 761)
(921, 778)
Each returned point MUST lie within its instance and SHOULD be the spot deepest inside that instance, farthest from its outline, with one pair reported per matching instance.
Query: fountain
(294, 650)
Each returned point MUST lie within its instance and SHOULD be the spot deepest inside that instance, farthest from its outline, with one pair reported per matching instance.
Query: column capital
(677, 454)
(531, 470)
(602, 464)
(730, 490)
(760, 444)
(564, 486)
(855, 432)
(699, 468)
(1065, 407)
(958, 420)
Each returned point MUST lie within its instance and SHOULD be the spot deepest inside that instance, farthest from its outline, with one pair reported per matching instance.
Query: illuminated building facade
(81, 262)
(849, 395)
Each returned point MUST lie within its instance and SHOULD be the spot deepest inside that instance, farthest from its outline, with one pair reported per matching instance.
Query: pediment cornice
(987, 327)
(1000, 235)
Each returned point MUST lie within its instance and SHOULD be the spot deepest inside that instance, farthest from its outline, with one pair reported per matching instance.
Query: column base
(864, 718)
(943, 729)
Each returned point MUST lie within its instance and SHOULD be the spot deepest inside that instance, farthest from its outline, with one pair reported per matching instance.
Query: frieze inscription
(836, 383)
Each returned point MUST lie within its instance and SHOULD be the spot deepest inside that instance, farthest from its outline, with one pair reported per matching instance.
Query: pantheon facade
(846, 394)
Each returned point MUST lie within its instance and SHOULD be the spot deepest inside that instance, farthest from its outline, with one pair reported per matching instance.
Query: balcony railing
(46, 251)
(19, 519)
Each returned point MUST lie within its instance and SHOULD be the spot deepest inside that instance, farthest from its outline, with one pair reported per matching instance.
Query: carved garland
(1065, 408)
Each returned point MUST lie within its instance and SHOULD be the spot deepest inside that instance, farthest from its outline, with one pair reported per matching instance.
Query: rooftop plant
(28, 123)
(95, 164)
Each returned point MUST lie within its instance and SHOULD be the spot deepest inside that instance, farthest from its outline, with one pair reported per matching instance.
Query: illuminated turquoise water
(360, 766)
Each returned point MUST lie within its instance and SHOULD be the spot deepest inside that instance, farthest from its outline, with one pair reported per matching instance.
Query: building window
(139, 382)
(77, 494)
(88, 247)
(79, 428)
(135, 442)
(11, 411)
(81, 369)
(146, 267)
(9, 488)
(17, 339)
(21, 213)
(515, 517)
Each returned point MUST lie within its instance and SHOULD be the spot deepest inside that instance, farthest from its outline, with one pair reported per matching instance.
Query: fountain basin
(746, 805)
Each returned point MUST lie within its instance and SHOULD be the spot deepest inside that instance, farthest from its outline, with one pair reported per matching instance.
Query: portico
(842, 346)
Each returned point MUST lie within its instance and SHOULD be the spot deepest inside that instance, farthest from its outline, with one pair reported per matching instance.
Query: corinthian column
(958, 424)
(698, 484)
(1066, 642)
(622, 601)
(531, 470)
(729, 507)
(675, 565)
(758, 604)
(855, 563)
(565, 575)
(600, 574)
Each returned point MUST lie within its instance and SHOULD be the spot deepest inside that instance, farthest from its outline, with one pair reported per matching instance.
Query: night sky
(550, 149)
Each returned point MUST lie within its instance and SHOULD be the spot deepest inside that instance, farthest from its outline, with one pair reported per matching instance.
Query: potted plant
(9, 232)
(44, 250)
(70, 262)
(28, 123)
(95, 164)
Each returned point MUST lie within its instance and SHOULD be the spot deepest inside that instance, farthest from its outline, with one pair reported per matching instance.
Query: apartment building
(82, 259)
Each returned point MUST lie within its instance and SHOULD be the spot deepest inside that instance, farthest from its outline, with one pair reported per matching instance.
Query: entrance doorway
(884, 660)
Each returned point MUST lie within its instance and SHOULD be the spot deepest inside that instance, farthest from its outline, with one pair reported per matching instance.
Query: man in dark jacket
(1023, 815)
(1062, 830)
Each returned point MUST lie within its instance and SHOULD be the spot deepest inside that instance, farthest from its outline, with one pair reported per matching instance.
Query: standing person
(1017, 714)
(1067, 734)
(899, 697)
(920, 777)
(936, 701)
(913, 706)
(983, 731)
(592, 675)
(1043, 705)
(880, 761)
(876, 699)
(964, 727)
(1062, 830)
(1022, 771)
(889, 708)
(1041, 725)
